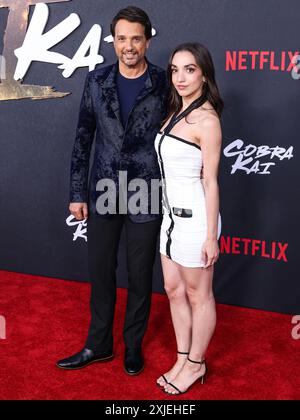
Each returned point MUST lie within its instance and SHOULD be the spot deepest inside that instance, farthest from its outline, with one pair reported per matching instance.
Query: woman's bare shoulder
(204, 117)
(206, 125)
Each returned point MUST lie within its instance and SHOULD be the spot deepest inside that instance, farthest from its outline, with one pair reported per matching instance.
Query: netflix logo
(254, 247)
(261, 60)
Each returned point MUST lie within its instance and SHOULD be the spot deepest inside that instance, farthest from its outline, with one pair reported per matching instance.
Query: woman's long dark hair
(210, 91)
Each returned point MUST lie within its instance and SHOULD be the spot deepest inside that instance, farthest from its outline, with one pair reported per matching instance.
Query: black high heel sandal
(163, 376)
(201, 379)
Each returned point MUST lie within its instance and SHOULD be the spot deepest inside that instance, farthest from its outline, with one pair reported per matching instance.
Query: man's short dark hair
(135, 15)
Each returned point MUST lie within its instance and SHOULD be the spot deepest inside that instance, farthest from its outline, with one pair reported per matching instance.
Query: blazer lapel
(147, 89)
(150, 84)
(110, 92)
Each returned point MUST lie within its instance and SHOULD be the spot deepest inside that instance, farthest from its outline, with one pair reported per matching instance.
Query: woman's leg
(201, 300)
(181, 314)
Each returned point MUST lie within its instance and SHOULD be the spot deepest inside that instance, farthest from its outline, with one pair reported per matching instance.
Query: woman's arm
(211, 142)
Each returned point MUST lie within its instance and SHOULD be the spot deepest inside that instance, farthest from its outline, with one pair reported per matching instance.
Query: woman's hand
(210, 252)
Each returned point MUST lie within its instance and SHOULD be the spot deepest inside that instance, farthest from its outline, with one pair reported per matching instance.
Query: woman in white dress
(189, 149)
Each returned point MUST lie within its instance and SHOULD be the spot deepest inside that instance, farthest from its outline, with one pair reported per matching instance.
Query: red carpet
(252, 356)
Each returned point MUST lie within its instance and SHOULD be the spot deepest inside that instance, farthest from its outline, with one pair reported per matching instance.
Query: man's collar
(150, 83)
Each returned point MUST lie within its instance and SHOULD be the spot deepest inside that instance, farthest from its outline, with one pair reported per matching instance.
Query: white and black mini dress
(184, 226)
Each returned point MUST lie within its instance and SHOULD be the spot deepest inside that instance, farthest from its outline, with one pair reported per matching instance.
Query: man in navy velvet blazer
(124, 105)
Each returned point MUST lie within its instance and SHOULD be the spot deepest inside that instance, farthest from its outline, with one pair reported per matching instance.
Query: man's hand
(79, 210)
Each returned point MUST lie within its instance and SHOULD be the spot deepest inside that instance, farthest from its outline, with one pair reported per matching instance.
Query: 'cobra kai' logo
(23, 45)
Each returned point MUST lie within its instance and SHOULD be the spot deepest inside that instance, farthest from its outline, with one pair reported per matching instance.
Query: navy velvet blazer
(117, 148)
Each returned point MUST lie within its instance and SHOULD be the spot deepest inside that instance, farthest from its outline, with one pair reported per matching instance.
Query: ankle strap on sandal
(184, 353)
(199, 363)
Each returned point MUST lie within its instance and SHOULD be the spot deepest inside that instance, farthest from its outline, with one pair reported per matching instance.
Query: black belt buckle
(182, 212)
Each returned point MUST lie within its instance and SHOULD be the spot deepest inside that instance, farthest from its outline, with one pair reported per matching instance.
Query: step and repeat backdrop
(47, 48)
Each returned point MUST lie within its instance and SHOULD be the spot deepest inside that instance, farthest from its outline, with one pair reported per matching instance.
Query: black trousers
(103, 243)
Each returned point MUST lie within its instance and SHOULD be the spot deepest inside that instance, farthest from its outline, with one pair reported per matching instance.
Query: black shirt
(128, 91)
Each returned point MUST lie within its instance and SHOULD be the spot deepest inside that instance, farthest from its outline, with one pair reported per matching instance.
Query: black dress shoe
(83, 359)
(133, 361)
